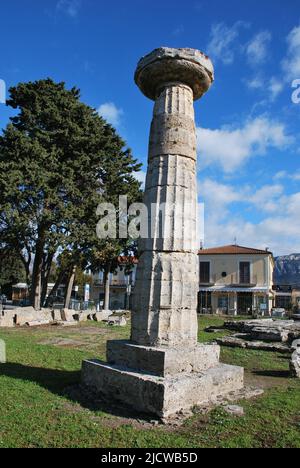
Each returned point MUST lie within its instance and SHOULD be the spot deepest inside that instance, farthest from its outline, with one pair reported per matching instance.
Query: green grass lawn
(40, 406)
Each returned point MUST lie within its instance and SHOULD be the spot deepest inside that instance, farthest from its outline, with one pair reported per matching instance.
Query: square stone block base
(163, 397)
(162, 362)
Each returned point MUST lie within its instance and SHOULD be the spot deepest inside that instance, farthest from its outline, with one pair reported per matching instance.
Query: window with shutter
(245, 272)
(204, 272)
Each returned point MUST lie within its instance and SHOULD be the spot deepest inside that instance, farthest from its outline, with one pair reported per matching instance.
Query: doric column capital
(164, 65)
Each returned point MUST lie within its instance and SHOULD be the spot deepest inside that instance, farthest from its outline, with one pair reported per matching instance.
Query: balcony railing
(236, 282)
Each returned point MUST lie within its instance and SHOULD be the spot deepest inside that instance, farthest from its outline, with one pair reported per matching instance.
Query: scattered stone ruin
(28, 316)
(281, 336)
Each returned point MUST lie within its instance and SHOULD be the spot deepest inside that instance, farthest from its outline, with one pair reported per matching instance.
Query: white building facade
(236, 280)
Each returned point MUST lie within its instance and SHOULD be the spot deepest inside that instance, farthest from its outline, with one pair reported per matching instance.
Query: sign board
(86, 292)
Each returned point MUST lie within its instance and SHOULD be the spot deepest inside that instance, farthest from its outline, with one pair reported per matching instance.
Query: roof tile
(233, 249)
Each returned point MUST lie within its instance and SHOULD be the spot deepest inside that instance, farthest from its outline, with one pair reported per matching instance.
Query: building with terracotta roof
(236, 280)
(233, 280)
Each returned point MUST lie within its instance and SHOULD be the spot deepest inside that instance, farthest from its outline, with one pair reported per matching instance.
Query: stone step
(163, 397)
(162, 361)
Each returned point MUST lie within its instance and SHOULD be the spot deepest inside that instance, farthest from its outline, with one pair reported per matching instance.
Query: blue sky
(247, 124)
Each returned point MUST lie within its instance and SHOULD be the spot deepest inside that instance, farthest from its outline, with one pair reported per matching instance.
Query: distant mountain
(287, 270)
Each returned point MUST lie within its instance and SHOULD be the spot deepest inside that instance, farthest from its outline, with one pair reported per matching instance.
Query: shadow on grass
(67, 384)
(280, 374)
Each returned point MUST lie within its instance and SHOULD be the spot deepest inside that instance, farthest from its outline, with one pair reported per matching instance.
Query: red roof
(233, 249)
(127, 260)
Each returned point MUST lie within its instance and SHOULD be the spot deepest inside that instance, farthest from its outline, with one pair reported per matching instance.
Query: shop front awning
(228, 290)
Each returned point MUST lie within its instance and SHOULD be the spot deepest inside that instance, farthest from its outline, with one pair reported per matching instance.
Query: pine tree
(58, 160)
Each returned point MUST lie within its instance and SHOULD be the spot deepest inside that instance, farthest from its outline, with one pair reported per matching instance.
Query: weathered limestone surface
(162, 361)
(7, 320)
(267, 330)
(37, 323)
(117, 321)
(165, 64)
(295, 345)
(21, 316)
(68, 324)
(161, 396)
(165, 295)
(102, 315)
(67, 315)
(56, 315)
(270, 334)
(24, 314)
(2, 352)
(295, 364)
(266, 334)
(81, 316)
(29, 314)
(244, 342)
(163, 370)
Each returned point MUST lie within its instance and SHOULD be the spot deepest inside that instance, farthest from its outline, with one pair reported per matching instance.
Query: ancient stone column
(163, 369)
(165, 297)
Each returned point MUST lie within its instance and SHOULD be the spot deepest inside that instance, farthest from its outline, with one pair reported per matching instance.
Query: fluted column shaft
(165, 296)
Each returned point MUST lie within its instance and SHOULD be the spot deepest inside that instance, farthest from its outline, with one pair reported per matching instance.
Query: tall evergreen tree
(58, 160)
(11, 268)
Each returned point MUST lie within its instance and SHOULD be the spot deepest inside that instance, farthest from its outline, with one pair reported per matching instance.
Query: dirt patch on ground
(62, 342)
(88, 338)
(88, 331)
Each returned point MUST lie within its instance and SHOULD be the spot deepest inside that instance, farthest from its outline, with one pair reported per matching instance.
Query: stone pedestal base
(161, 361)
(171, 380)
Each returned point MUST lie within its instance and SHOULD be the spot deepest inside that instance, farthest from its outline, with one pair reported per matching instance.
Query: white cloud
(220, 196)
(223, 41)
(141, 177)
(69, 7)
(267, 198)
(279, 233)
(217, 195)
(257, 48)
(111, 113)
(230, 148)
(256, 82)
(275, 87)
(291, 64)
(296, 176)
(280, 175)
(272, 87)
(285, 175)
(279, 229)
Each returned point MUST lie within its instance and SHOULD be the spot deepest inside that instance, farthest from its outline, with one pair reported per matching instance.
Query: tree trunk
(37, 272)
(45, 276)
(53, 291)
(70, 287)
(106, 281)
(26, 264)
